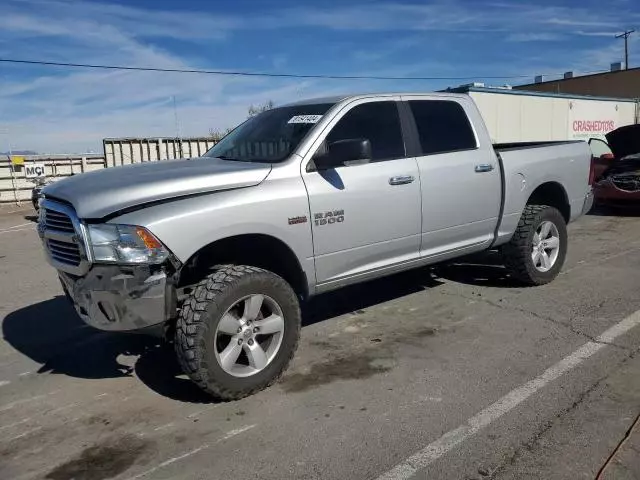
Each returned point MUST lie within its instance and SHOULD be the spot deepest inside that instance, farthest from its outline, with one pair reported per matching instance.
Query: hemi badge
(296, 220)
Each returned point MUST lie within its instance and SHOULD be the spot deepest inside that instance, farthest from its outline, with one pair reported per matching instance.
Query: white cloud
(533, 37)
(71, 110)
(601, 58)
(595, 33)
(56, 110)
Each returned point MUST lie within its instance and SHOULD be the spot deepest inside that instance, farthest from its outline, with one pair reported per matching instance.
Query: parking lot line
(447, 442)
(9, 406)
(19, 422)
(168, 462)
(16, 230)
(16, 226)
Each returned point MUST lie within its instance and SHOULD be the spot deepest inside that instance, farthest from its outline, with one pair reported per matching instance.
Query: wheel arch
(554, 195)
(254, 249)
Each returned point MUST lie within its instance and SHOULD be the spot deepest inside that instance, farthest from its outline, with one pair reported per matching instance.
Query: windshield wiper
(231, 159)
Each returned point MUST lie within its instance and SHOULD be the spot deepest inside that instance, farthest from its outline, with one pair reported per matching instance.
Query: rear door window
(443, 126)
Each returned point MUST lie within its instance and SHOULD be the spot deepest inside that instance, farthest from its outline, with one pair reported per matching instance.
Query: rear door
(365, 216)
(460, 177)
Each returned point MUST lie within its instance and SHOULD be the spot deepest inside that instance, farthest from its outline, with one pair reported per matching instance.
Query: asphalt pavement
(451, 372)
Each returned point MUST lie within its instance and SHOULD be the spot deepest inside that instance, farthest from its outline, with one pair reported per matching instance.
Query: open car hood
(624, 141)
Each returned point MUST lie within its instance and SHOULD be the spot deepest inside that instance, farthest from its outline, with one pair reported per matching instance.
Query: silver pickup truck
(217, 252)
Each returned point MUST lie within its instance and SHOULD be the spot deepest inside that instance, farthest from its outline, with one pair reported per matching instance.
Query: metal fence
(15, 187)
(123, 151)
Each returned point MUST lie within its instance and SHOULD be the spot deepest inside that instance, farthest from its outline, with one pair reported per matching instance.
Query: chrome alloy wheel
(546, 246)
(249, 335)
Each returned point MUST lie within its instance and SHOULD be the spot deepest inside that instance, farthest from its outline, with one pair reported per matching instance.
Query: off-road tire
(517, 253)
(199, 317)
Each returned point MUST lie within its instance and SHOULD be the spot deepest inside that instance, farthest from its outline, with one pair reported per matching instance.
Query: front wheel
(238, 331)
(536, 252)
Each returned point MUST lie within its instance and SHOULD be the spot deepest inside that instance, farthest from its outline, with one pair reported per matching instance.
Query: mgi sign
(34, 170)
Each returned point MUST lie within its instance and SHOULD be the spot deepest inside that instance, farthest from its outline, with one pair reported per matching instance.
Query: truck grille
(58, 221)
(62, 237)
(63, 252)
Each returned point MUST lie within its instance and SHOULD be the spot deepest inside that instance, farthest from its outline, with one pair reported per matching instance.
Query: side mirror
(337, 154)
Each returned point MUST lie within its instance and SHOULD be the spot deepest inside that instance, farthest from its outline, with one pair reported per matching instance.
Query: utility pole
(625, 35)
(178, 135)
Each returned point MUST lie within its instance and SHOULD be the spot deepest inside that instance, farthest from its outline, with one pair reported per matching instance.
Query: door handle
(401, 180)
(484, 167)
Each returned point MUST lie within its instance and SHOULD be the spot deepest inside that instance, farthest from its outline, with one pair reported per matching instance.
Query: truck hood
(624, 141)
(98, 194)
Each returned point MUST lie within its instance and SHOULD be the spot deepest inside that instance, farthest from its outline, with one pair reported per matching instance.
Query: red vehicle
(615, 168)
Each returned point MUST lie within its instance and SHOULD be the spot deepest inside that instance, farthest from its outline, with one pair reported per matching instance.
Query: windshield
(271, 136)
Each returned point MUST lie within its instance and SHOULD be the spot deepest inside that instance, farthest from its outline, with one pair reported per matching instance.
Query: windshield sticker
(305, 119)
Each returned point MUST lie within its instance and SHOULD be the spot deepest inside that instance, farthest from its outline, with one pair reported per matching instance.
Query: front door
(365, 216)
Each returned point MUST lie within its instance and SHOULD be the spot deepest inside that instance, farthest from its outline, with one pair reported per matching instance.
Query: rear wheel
(238, 331)
(538, 248)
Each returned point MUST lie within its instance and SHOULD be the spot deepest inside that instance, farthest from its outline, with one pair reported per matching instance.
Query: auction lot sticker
(305, 119)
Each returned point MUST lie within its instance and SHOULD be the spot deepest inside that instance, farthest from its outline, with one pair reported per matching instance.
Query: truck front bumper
(117, 298)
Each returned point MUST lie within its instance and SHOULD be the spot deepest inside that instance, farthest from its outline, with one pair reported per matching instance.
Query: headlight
(113, 243)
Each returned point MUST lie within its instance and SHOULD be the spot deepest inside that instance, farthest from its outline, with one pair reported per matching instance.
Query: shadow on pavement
(364, 295)
(52, 334)
(615, 211)
(483, 269)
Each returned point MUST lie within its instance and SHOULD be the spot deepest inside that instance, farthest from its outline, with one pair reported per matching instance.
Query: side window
(443, 126)
(378, 122)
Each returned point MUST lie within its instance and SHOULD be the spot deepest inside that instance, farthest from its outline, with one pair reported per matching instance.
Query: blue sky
(51, 109)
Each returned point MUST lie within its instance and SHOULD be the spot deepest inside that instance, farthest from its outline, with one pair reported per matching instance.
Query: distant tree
(218, 135)
(253, 111)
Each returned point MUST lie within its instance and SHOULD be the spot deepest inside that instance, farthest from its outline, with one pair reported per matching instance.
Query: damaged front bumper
(118, 298)
(607, 192)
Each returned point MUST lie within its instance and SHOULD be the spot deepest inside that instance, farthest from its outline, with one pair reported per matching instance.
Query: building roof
(592, 75)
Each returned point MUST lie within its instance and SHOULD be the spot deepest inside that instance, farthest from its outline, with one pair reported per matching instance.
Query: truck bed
(528, 164)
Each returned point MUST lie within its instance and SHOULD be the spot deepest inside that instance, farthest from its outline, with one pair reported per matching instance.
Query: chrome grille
(63, 252)
(62, 235)
(58, 221)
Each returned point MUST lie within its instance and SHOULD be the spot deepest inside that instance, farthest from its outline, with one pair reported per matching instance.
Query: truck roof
(339, 98)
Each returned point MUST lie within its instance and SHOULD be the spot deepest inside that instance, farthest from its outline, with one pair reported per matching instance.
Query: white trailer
(522, 116)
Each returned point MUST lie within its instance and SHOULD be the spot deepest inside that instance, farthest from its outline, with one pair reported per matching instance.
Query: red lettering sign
(599, 126)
